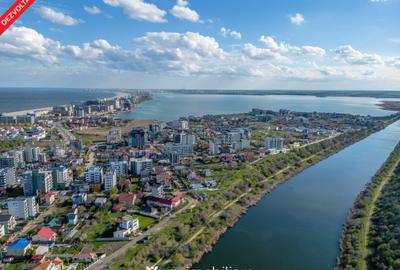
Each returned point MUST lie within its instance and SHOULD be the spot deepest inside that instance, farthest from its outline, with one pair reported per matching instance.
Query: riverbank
(354, 243)
(196, 231)
(44, 110)
(249, 199)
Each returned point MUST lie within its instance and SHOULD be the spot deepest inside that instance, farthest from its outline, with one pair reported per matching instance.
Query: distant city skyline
(204, 44)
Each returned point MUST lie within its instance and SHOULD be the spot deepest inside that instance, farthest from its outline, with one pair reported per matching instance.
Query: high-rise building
(61, 177)
(137, 138)
(110, 179)
(18, 208)
(7, 178)
(232, 137)
(37, 182)
(31, 154)
(121, 167)
(18, 156)
(274, 143)
(22, 207)
(7, 161)
(184, 138)
(140, 164)
(213, 148)
(94, 175)
(183, 150)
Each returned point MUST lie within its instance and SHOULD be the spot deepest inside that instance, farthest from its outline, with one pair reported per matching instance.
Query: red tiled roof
(127, 197)
(170, 201)
(46, 232)
(117, 206)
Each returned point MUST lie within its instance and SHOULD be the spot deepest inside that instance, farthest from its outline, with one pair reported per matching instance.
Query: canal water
(298, 225)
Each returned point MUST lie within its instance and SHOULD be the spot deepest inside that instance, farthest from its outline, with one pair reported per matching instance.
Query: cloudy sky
(206, 44)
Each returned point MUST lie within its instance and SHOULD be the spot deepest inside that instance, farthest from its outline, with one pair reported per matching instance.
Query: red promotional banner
(13, 13)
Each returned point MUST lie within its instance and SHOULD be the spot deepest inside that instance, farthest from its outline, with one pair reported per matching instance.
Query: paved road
(106, 261)
(67, 135)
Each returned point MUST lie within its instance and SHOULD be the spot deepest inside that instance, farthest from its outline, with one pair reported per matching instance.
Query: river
(298, 225)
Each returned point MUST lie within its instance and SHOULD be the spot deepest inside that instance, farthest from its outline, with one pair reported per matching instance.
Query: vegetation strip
(361, 245)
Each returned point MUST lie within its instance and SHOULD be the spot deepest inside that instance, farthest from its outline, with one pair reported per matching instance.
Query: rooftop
(18, 244)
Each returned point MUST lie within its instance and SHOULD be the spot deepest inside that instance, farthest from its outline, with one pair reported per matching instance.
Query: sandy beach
(45, 110)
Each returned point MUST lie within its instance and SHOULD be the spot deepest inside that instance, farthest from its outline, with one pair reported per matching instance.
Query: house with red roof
(55, 264)
(169, 203)
(127, 199)
(117, 207)
(45, 235)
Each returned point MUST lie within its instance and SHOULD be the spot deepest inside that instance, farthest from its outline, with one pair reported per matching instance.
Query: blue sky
(224, 44)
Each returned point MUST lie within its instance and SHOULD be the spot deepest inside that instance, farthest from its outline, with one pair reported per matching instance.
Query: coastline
(44, 110)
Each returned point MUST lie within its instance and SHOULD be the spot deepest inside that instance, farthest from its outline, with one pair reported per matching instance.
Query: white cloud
(351, 56)
(226, 32)
(394, 62)
(256, 53)
(25, 43)
(378, 1)
(270, 43)
(195, 55)
(282, 47)
(297, 19)
(312, 50)
(139, 10)
(92, 10)
(56, 16)
(183, 12)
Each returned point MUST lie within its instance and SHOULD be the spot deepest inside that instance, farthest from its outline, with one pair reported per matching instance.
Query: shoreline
(43, 110)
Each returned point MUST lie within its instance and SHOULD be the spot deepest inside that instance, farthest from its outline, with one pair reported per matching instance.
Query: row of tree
(353, 247)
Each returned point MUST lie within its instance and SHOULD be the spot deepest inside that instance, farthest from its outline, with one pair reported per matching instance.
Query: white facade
(183, 150)
(110, 179)
(7, 178)
(32, 206)
(274, 143)
(31, 154)
(2, 230)
(232, 137)
(140, 164)
(61, 176)
(121, 167)
(18, 208)
(213, 148)
(94, 175)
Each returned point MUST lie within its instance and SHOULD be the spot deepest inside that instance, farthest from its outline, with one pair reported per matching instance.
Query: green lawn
(145, 222)
(16, 266)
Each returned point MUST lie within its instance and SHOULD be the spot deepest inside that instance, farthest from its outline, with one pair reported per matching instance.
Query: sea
(20, 99)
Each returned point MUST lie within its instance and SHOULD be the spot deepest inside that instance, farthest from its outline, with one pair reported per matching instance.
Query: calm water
(19, 99)
(169, 106)
(298, 225)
